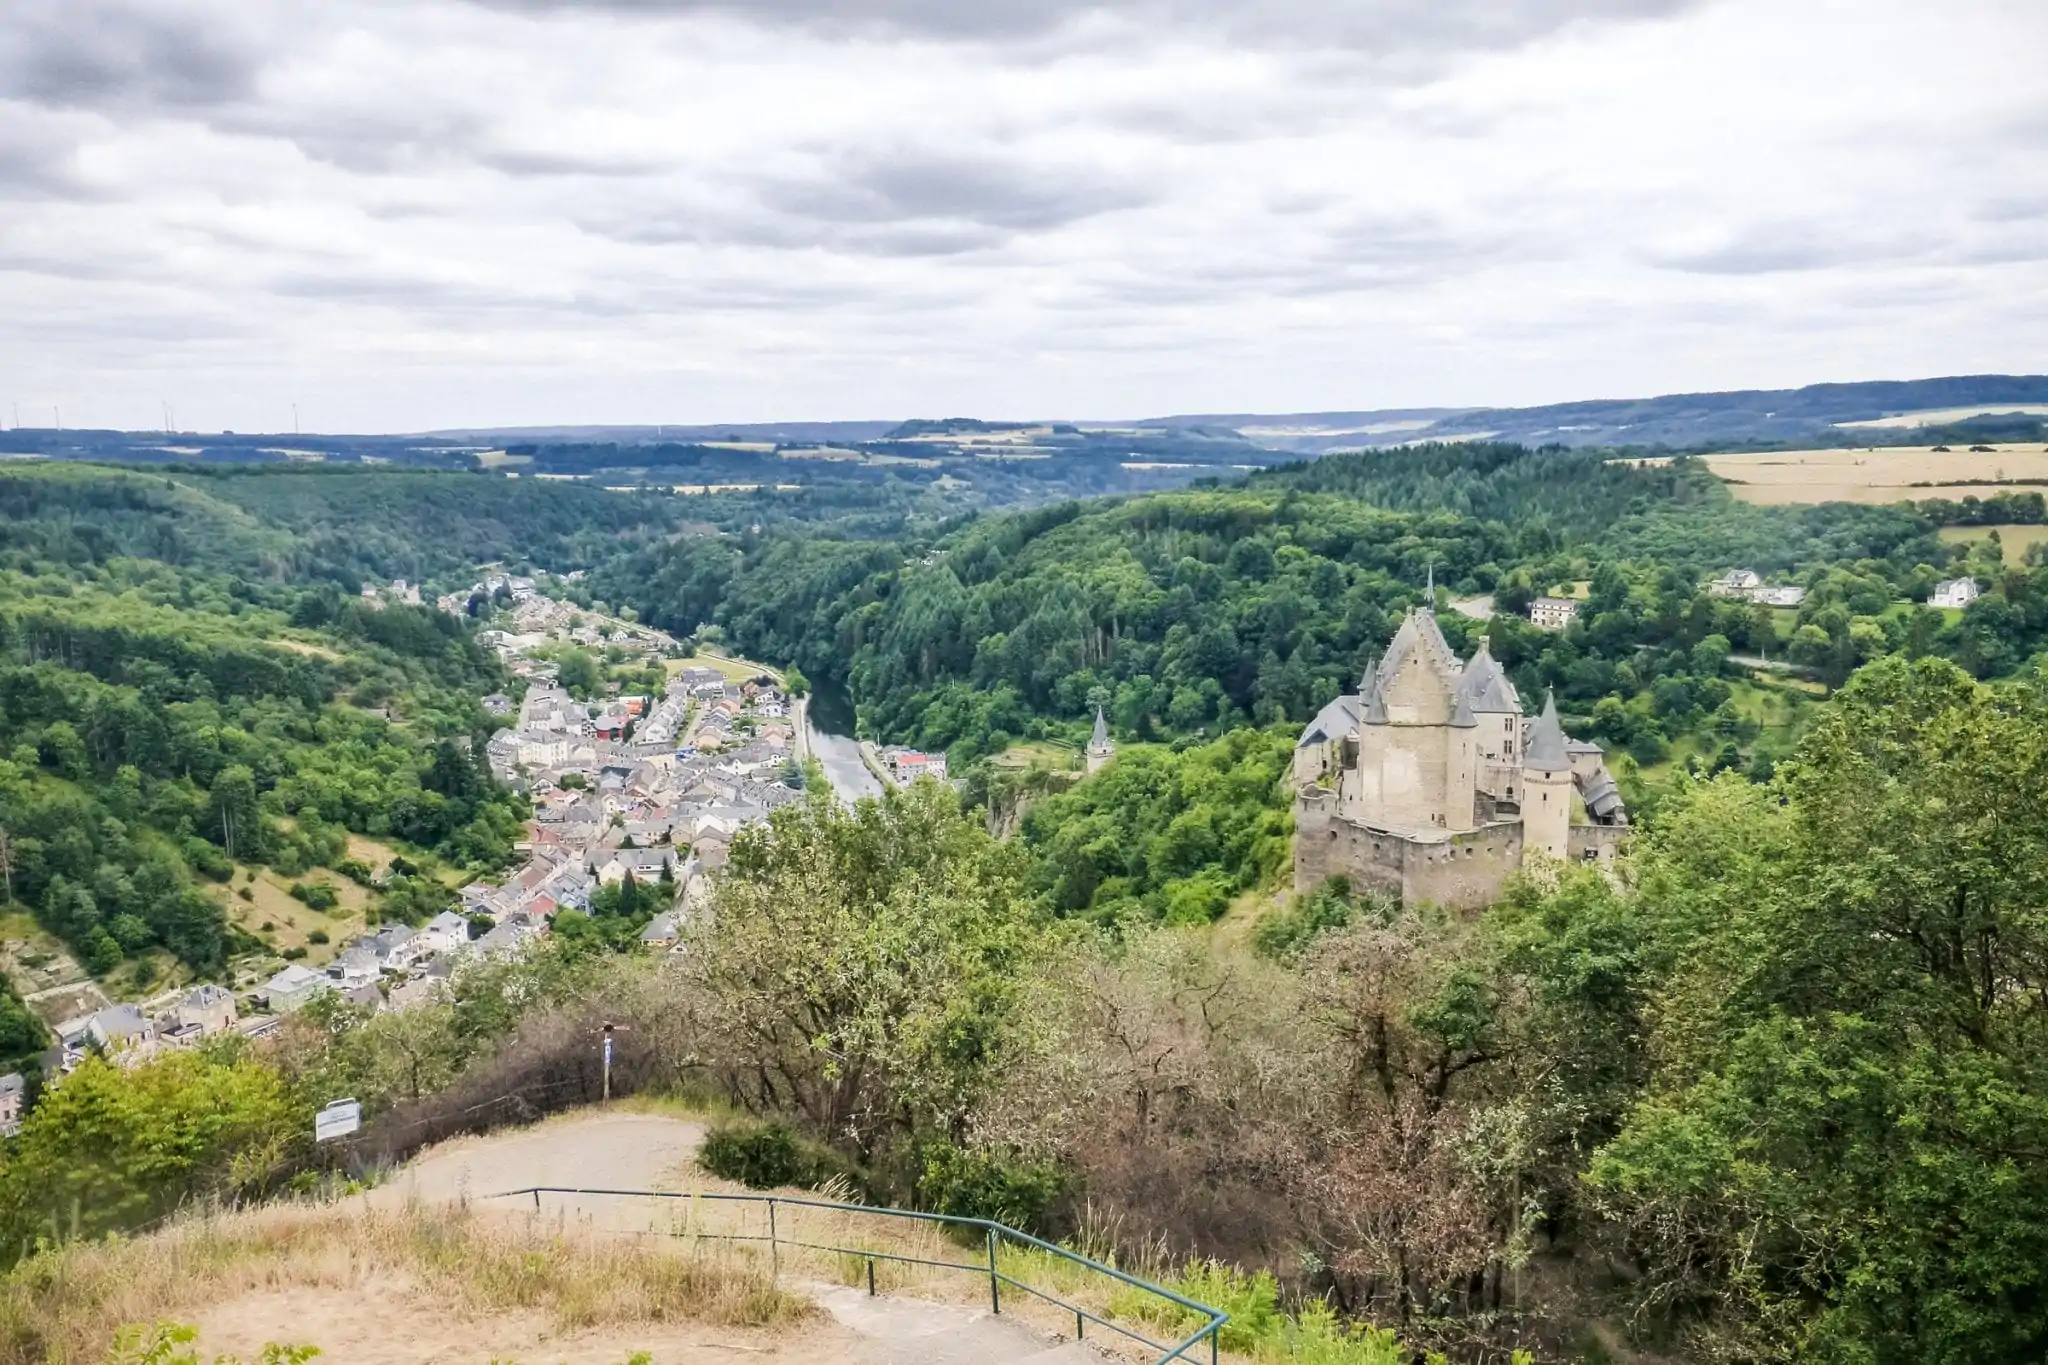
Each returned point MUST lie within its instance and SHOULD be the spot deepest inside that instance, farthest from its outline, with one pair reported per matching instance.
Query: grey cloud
(909, 203)
(941, 187)
(36, 159)
(1775, 248)
(533, 161)
(1391, 27)
(121, 55)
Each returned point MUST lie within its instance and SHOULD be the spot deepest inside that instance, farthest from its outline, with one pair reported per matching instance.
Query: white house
(291, 988)
(1735, 583)
(1553, 613)
(1954, 592)
(444, 933)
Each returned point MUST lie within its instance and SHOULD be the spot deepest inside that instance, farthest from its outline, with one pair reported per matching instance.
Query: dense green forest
(183, 690)
(1198, 611)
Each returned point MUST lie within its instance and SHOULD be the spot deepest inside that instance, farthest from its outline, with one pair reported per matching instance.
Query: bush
(317, 936)
(293, 954)
(768, 1156)
(981, 1183)
(356, 870)
(318, 896)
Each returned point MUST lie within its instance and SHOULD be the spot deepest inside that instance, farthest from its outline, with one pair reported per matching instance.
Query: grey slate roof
(1485, 686)
(1332, 722)
(1546, 748)
(1100, 739)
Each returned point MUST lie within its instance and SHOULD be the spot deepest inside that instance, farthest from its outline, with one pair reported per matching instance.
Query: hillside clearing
(291, 921)
(2017, 540)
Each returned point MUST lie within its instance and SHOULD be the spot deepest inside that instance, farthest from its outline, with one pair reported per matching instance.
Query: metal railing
(993, 1236)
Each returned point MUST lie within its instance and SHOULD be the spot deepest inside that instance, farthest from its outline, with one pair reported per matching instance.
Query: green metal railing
(993, 1236)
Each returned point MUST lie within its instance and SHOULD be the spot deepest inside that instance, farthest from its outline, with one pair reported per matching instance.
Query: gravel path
(651, 1152)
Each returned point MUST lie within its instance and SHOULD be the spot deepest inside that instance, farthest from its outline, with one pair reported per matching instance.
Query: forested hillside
(184, 689)
(1198, 611)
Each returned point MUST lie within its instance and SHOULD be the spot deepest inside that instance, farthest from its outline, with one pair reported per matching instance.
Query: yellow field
(2016, 539)
(1931, 417)
(1893, 474)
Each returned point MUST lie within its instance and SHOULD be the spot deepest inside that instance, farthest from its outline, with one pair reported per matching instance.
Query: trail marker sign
(337, 1120)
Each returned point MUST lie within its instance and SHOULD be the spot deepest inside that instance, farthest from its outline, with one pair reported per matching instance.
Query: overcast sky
(430, 213)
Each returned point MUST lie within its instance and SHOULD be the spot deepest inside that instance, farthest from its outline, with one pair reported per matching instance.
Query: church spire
(1100, 747)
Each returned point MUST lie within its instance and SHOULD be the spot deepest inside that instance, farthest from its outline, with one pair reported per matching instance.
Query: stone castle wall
(1596, 843)
(1461, 871)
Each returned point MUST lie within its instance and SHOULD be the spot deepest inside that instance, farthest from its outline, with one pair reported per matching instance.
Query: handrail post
(774, 1247)
(1215, 1331)
(995, 1293)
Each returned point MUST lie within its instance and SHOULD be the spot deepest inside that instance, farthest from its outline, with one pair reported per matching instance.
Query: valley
(299, 810)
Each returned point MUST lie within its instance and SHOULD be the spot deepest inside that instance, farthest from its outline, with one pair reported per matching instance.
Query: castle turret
(1101, 748)
(1547, 787)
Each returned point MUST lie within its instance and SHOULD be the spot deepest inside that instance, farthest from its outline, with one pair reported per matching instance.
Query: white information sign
(338, 1119)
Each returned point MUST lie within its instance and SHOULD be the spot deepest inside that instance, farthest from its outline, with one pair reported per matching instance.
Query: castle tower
(1101, 748)
(1547, 787)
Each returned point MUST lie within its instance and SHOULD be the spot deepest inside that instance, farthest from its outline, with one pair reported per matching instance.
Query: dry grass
(64, 1306)
(292, 921)
(2017, 540)
(1889, 474)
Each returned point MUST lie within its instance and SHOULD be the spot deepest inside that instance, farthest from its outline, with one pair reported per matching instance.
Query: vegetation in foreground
(64, 1306)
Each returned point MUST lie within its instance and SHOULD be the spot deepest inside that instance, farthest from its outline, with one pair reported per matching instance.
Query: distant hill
(1817, 414)
(1060, 457)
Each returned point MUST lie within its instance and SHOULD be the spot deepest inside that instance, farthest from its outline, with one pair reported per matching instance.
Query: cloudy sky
(403, 214)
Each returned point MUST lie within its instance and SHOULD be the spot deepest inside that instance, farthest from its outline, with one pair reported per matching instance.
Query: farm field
(2016, 539)
(1932, 417)
(1892, 474)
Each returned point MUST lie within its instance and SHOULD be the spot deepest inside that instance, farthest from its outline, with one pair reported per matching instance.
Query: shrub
(293, 954)
(982, 1183)
(319, 896)
(767, 1156)
(317, 936)
(356, 870)
(245, 893)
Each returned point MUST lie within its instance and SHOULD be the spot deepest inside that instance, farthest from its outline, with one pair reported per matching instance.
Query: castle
(1431, 784)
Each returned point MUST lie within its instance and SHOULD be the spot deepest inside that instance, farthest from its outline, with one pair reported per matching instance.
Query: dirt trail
(606, 1151)
(392, 1324)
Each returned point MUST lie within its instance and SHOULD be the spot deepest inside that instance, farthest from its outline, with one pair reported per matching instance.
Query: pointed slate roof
(1461, 712)
(1419, 634)
(1101, 737)
(1546, 742)
(1485, 686)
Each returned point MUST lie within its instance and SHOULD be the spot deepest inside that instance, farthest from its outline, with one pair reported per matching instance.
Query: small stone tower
(1546, 787)
(1101, 748)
